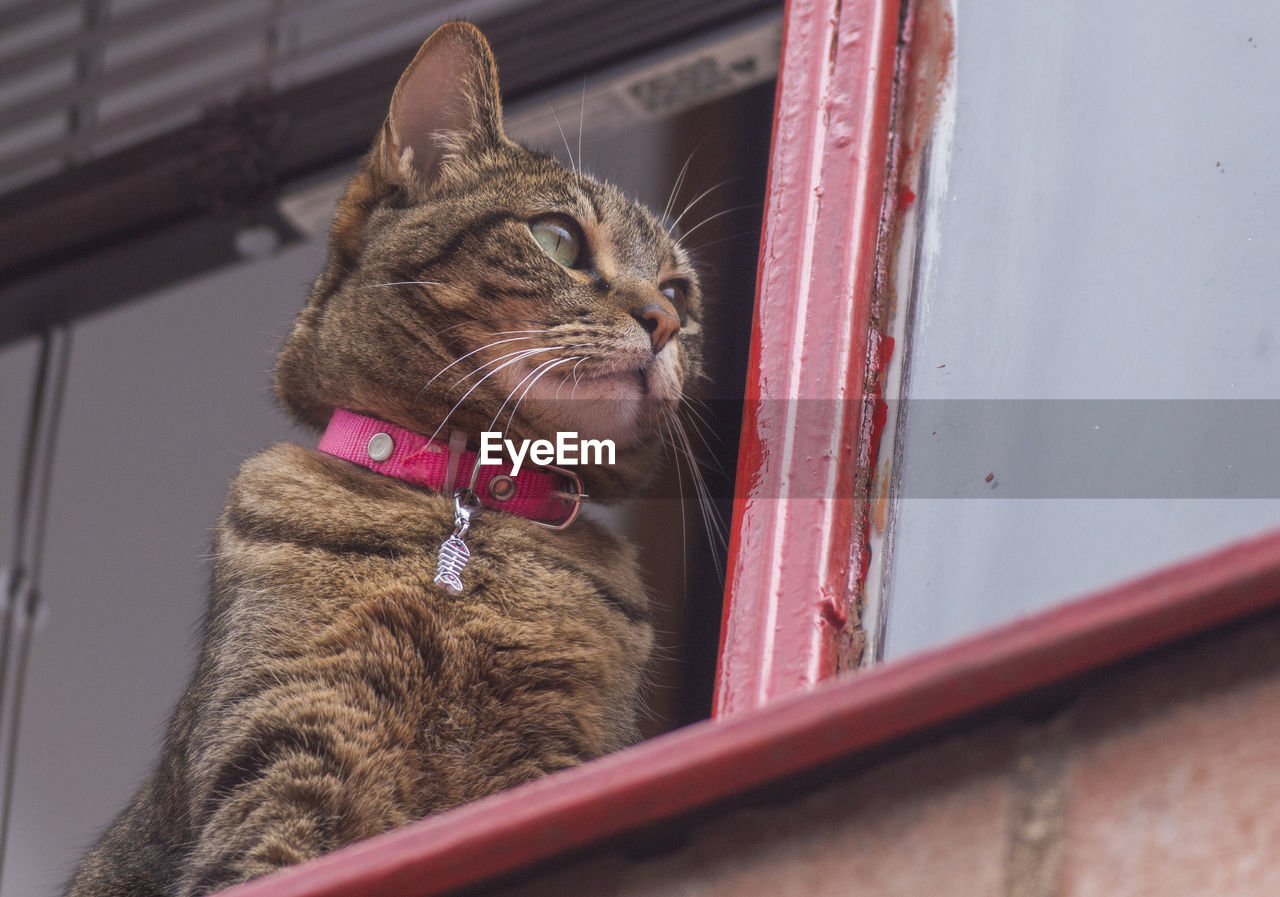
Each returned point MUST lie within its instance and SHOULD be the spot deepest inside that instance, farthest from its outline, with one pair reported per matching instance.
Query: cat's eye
(676, 292)
(560, 239)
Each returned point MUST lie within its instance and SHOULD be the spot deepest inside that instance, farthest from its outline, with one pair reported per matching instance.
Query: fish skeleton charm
(453, 556)
(454, 553)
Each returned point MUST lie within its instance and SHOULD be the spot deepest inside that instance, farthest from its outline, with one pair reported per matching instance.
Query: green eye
(559, 238)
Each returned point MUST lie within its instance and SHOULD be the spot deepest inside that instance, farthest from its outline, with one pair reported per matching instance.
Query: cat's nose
(661, 322)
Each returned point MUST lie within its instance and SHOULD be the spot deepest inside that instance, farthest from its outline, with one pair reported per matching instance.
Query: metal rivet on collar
(502, 487)
(380, 446)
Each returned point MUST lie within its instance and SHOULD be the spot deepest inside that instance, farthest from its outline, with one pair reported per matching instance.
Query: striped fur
(339, 693)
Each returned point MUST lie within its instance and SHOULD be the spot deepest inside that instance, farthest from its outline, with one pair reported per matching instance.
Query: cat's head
(468, 275)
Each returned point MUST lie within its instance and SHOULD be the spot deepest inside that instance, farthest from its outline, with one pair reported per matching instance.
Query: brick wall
(1160, 777)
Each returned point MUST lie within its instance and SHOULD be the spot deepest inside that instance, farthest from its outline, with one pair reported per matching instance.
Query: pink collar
(549, 496)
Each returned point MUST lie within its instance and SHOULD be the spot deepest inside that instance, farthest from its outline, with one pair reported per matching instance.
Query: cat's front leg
(302, 773)
(283, 829)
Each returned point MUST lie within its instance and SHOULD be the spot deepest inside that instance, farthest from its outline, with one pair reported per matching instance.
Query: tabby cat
(341, 691)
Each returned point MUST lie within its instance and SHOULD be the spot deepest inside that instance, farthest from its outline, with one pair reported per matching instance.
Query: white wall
(166, 397)
(1100, 224)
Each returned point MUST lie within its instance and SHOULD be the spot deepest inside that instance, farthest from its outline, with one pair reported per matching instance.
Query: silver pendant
(454, 553)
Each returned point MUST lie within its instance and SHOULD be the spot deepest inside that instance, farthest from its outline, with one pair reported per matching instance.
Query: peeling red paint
(878, 418)
(877, 508)
(833, 610)
(879, 503)
(930, 35)
(923, 64)
(886, 351)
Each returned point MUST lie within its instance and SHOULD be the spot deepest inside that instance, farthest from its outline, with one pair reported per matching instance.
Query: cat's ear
(447, 101)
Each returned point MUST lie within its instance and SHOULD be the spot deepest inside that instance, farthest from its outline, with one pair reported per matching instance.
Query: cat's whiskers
(582, 116)
(715, 528)
(507, 359)
(720, 527)
(710, 218)
(573, 163)
(695, 250)
(679, 182)
(523, 353)
(547, 367)
(675, 188)
(697, 199)
(697, 421)
(574, 372)
(565, 379)
(668, 442)
(410, 283)
(682, 450)
(518, 356)
(499, 342)
(692, 403)
(481, 349)
(470, 373)
(493, 423)
(481, 367)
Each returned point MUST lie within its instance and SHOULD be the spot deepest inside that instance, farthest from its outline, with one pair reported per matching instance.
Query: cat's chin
(611, 407)
(621, 405)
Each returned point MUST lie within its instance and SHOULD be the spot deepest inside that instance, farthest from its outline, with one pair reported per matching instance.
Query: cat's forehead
(622, 228)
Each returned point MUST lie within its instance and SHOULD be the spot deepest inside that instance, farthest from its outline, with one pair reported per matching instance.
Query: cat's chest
(312, 550)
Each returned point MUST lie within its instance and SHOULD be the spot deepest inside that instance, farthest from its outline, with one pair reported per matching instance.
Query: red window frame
(797, 550)
(796, 562)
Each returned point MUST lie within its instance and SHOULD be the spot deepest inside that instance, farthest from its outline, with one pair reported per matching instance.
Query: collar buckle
(577, 496)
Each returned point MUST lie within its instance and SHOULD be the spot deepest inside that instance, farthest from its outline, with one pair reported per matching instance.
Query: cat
(472, 285)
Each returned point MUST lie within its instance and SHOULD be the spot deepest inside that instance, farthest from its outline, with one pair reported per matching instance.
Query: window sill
(706, 763)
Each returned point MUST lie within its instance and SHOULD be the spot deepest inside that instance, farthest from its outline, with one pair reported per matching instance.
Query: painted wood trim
(794, 561)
